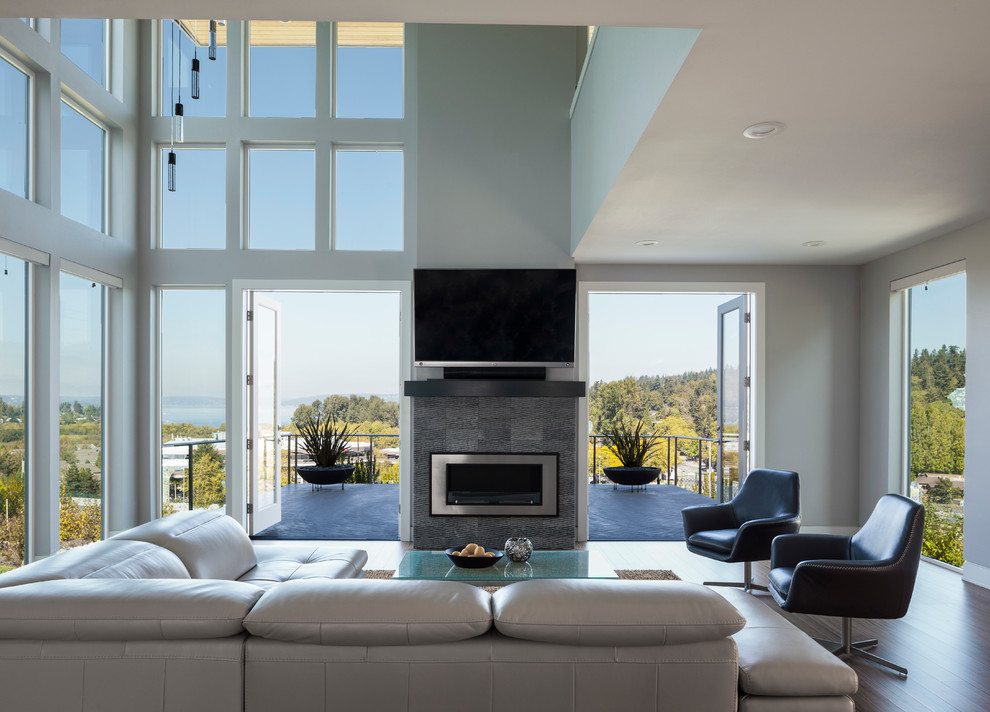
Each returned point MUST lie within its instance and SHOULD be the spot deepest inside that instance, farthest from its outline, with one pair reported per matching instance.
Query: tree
(616, 402)
(209, 473)
(80, 482)
(942, 492)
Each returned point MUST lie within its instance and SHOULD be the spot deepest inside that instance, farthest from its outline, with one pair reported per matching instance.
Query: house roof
(886, 103)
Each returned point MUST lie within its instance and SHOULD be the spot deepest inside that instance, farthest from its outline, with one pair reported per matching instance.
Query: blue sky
(938, 314)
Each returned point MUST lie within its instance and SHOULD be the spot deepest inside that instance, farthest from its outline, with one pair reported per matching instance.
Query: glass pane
(14, 103)
(368, 200)
(283, 68)
(193, 398)
(282, 201)
(13, 391)
(80, 411)
(83, 145)
(268, 407)
(176, 76)
(730, 400)
(83, 42)
(369, 70)
(195, 214)
(937, 447)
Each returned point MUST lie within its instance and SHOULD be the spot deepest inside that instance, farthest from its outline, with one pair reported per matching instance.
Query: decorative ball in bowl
(473, 556)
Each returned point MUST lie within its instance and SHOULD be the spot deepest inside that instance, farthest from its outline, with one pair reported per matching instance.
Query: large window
(193, 36)
(368, 200)
(282, 68)
(195, 214)
(81, 320)
(369, 70)
(13, 410)
(282, 199)
(193, 373)
(937, 415)
(84, 42)
(15, 105)
(83, 169)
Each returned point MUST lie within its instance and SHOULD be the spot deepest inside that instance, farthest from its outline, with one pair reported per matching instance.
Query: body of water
(209, 415)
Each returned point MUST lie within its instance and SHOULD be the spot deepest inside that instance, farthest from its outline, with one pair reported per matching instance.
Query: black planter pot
(632, 476)
(319, 476)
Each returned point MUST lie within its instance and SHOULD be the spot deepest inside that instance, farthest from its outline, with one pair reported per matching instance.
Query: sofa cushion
(115, 609)
(290, 562)
(102, 559)
(209, 543)
(371, 612)
(777, 659)
(601, 612)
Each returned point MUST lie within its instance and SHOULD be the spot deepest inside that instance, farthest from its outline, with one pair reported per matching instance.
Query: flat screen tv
(494, 317)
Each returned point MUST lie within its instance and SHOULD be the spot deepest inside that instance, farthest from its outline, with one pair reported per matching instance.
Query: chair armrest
(857, 588)
(754, 539)
(704, 517)
(789, 550)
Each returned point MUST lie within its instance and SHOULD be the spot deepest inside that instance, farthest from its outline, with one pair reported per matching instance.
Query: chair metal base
(846, 646)
(746, 585)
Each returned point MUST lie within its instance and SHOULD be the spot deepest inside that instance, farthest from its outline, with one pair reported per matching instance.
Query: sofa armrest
(704, 517)
(125, 609)
(788, 550)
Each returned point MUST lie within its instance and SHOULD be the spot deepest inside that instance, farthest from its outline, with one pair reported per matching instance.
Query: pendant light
(178, 114)
(213, 39)
(194, 75)
(170, 179)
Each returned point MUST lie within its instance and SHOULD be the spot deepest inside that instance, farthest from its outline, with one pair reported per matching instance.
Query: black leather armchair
(767, 505)
(870, 574)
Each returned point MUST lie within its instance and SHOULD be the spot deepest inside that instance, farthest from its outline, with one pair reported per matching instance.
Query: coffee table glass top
(434, 565)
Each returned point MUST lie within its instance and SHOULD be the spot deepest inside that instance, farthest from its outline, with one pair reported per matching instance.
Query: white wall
(630, 71)
(811, 373)
(494, 145)
(881, 468)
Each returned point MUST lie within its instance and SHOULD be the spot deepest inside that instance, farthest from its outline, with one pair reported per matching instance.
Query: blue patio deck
(372, 512)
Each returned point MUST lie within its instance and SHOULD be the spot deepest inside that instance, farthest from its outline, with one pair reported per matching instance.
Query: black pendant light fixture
(170, 179)
(213, 39)
(179, 113)
(194, 75)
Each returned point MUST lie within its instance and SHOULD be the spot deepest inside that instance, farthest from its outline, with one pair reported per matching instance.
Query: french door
(265, 341)
(733, 382)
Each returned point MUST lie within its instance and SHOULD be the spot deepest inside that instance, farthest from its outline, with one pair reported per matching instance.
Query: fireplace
(493, 484)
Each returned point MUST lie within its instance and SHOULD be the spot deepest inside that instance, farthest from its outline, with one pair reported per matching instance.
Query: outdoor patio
(361, 511)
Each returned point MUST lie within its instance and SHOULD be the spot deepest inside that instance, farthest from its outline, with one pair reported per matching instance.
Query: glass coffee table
(435, 566)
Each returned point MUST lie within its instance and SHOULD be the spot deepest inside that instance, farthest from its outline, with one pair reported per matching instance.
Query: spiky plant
(324, 437)
(630, 444)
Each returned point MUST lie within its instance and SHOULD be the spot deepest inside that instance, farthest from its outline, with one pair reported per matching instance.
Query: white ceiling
(887, 106)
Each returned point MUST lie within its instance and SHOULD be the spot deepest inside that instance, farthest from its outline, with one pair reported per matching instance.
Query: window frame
(247, 147)
(31, 120)
(358, 148)
(107, 65)
(160, 188)
(78, 107)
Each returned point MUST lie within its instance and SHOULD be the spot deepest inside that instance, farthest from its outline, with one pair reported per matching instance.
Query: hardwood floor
(944, 640)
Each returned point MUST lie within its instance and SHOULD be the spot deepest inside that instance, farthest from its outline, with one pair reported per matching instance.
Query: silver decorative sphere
(518, 549)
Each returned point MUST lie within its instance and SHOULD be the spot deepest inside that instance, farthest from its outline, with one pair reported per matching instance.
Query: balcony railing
(704, 481)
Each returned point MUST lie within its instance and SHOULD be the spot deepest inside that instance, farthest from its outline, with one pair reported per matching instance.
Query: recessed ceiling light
(814, 243)
(764, 129)
(647, 243)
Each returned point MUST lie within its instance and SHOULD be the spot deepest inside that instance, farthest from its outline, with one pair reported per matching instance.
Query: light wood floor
(944, 640)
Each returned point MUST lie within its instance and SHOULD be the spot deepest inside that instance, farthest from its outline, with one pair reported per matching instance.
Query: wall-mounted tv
(494, 317)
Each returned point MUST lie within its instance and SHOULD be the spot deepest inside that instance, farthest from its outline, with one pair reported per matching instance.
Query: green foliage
(942, 492)
(324, 436)
(631, 446)
(209, 473)
(354, 409)
(943, 534)
(80, 482)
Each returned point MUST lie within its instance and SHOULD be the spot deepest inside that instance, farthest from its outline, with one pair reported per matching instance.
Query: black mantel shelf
(459, 388)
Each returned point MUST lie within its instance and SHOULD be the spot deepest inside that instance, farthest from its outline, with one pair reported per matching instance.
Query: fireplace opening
(475, 483)
(493, 484)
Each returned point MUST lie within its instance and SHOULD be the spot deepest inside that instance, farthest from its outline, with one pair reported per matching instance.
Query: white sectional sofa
(184, 614)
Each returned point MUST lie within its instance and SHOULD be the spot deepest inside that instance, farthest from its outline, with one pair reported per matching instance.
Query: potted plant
(632, 447)
(326, 439)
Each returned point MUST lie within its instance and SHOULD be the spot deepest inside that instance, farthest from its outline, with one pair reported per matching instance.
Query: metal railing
(705, 481)
(190, 446)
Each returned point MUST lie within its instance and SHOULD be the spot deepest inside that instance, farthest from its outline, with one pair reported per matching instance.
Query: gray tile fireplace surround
(494, 424)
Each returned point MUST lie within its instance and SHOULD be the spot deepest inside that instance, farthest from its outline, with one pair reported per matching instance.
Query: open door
(731, 422)
(263, 456)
